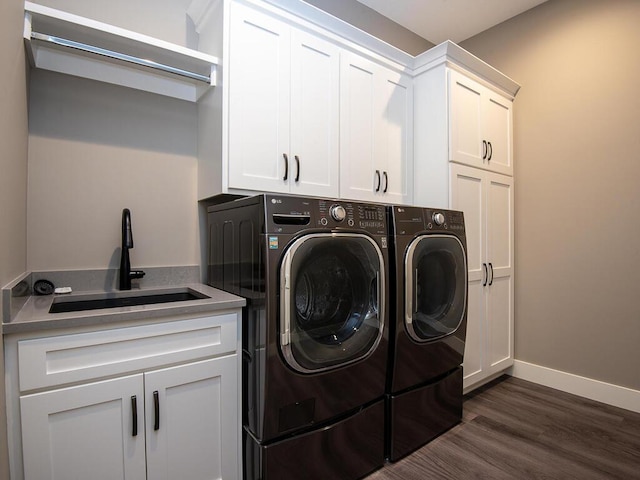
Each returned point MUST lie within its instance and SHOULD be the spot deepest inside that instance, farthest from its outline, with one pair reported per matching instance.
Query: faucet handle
(136, 274)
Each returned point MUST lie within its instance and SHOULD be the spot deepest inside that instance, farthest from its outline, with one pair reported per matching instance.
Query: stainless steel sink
(79, 303)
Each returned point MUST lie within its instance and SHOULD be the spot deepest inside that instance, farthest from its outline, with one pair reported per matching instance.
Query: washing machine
(429, 316)
(315, 331)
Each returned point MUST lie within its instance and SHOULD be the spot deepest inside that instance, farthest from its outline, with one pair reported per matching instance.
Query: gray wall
(96, 148)
(13, 170)
(367, 19)
(577, 197)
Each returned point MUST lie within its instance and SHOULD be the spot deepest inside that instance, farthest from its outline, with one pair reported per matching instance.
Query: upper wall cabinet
(75, 45)
(293, 114)
(480, 124)
(376, 132)
(283, 107)
(463, 114)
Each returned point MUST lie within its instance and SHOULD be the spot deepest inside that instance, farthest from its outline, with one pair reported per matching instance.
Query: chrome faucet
(126, 274)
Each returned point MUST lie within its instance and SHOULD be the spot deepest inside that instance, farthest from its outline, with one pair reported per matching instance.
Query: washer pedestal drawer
(348, 449)
(421, 414)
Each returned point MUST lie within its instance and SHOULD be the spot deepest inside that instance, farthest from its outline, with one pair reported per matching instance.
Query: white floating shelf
(74, 45)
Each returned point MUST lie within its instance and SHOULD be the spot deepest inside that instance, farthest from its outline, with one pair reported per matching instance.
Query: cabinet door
(396, 151)
(486, 199)
(465, 120)
(259, 92)
(360, 177)
(85, 432)
(315, 84)
(192, 421)
(498, 132)
(499, 201)
(468, 195)
(480, 125)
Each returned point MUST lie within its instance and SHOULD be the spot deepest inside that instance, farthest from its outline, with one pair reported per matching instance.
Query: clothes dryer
(315, 331)
(428, 326)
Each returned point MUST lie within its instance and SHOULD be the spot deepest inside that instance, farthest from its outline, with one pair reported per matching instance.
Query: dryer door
(436, 286)
(331, 300)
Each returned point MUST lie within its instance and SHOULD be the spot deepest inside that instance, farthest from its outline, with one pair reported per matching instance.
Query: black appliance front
(315, 331)
(347, 449)
(429, 326)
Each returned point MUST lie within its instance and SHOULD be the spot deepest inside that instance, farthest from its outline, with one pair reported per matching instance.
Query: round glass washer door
(331, 300)
(435, 286)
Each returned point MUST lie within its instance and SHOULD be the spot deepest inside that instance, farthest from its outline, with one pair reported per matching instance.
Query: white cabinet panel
(480, 123)
(64, 359)
(315, 113)
(283, 107)
(197, 431)
(259, 96)
(486, 199)
(500, 324)
(85, 432)
(466, 120)
(397, 160)
(376, 132)
(468, 195)
(500, 222)
(358, 127)
(498, 127)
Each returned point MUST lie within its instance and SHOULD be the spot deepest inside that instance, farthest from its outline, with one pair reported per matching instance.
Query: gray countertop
(34, 314)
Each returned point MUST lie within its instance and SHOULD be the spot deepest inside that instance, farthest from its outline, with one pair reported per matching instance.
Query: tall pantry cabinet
(463, 160)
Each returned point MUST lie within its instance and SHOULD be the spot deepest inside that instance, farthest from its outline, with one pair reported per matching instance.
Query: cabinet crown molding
(454, 55)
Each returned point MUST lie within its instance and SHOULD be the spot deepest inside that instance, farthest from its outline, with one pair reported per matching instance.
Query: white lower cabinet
(486, 199)
(85, 431)
(167, 409)
(187, 420)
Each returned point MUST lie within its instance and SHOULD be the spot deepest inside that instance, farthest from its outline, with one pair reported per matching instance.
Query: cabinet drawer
(64, 359)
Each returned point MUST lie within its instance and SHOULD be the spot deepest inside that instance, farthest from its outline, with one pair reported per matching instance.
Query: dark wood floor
(513, 429)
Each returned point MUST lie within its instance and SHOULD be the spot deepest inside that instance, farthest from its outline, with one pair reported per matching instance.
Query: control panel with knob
(438, 218)
(338, 213)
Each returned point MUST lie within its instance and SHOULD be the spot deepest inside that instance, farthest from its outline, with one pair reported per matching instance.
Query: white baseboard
(608, 393)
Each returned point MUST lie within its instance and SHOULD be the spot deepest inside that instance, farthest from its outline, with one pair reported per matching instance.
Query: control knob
(338, 213)
(438, 218)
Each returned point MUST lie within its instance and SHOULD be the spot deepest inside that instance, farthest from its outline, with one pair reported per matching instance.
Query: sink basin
(114, 300)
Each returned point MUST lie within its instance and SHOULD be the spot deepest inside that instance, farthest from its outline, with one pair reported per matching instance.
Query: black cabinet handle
(491, 268)
(134, 415)
(379, 180)
(297, 168)
(484, 149)
(386, 182)
(486, 274)
(286, 166)
(156, 409)
(490, 151)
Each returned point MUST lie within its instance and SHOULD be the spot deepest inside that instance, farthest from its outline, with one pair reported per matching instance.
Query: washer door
(331, 300)
(435, 286)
